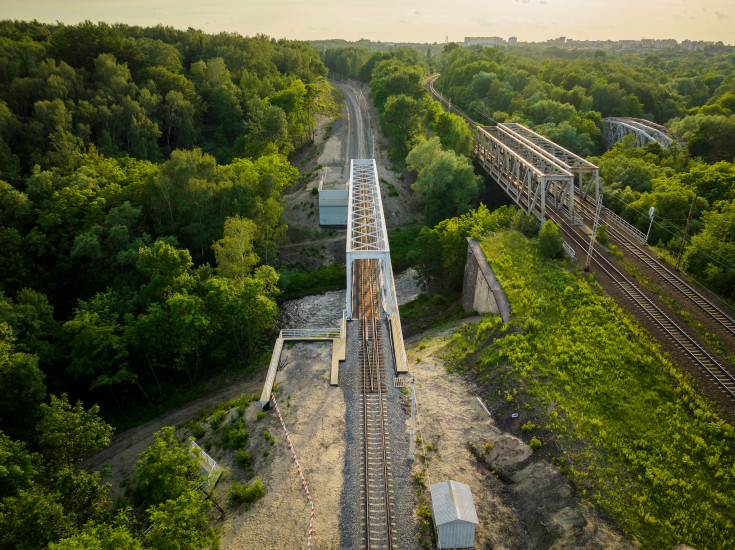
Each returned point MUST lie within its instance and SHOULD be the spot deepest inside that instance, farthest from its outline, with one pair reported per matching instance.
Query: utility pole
(411, 436)
(594, 233)
(650, 215)
(686, 230)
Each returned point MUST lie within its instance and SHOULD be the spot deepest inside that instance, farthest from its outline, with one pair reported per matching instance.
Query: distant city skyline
(406, 20)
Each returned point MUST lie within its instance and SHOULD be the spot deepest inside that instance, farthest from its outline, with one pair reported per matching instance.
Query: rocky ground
(522, 500)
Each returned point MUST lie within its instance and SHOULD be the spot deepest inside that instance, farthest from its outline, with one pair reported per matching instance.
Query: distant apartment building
(492, 41)
(667, 43)
(512, 41)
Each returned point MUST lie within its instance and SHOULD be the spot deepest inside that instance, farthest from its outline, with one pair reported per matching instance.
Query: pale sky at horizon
(406, 20)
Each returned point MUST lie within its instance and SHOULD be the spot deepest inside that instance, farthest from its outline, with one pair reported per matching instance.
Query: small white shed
(454, 514)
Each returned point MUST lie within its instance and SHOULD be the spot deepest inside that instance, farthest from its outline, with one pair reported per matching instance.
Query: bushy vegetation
(244, 493)
(565, 94)
(296, 283)
(629, 429)
(141, 180)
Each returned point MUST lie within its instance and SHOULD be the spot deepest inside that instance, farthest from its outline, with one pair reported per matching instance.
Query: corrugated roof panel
(452, 501)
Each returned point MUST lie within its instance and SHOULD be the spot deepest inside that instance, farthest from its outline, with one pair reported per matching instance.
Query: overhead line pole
(686, 230)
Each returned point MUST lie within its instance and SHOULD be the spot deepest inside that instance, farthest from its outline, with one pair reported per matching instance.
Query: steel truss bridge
(645, 132)
(535, 173)
(533, 170)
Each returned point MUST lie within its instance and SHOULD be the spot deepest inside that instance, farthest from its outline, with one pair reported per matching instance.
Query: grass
(429, 310)
(628, 427)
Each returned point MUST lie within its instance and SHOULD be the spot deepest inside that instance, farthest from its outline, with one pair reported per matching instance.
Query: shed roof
(452, 501)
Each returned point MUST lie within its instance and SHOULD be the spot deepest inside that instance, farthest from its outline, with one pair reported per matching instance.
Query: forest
(564, 95)
(141, 181)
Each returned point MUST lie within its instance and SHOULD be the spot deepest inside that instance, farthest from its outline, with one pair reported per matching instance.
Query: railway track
(678, 336)
(723, 379)
(666, 274)
(377, 485)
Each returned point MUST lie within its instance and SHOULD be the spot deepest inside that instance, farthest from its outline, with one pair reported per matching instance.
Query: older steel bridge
(645, 132)
(536, 173)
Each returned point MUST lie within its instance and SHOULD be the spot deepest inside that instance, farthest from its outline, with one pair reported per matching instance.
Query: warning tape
(301, 473)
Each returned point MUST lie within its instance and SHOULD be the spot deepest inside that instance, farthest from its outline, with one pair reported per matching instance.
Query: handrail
(627, 226)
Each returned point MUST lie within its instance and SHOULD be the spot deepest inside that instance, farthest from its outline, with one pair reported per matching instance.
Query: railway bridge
(645, 132)
(538, 175)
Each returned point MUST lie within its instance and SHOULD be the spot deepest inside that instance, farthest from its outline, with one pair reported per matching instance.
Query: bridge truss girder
(586, 172)
(531, 180)
(645, 131)
(367, 237)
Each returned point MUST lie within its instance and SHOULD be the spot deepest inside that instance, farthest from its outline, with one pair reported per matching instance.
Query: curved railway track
(702, 359)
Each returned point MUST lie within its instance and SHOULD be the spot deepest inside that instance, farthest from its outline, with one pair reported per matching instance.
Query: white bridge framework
(645, 131)
(533, 171)
(367, 237)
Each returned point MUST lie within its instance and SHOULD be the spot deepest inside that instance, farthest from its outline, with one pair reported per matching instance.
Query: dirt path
(314, 413)
(125, 447)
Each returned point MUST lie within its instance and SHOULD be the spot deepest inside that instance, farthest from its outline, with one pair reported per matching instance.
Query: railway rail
(377, 485)
(711, 309)
(700, 357)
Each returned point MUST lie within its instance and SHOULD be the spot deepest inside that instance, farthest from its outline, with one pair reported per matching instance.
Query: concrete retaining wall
(481, 291)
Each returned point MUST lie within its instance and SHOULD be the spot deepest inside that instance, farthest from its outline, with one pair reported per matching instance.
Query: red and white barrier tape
(301, 474)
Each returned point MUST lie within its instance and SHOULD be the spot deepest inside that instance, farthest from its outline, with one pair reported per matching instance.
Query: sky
(406, 20)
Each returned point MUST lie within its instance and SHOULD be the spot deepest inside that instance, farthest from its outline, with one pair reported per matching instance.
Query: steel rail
(707, 306)
(378, 523)
(680, 337)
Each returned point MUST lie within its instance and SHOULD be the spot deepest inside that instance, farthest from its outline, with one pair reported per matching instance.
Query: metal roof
(452, 501)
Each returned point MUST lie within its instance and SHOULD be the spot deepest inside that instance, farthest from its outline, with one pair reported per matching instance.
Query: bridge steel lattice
(524, 172)
(645, 131)
(586, 172)
(367, 238)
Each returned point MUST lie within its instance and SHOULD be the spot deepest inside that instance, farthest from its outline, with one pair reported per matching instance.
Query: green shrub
(237, 438)
(216, 419)
(198, 430)
(550, 240)
(525, 223)
(314, 190)
(528, 427)
(243, 493)
(602, 236)
(244, 459)
(260, 416)
(535, 443)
